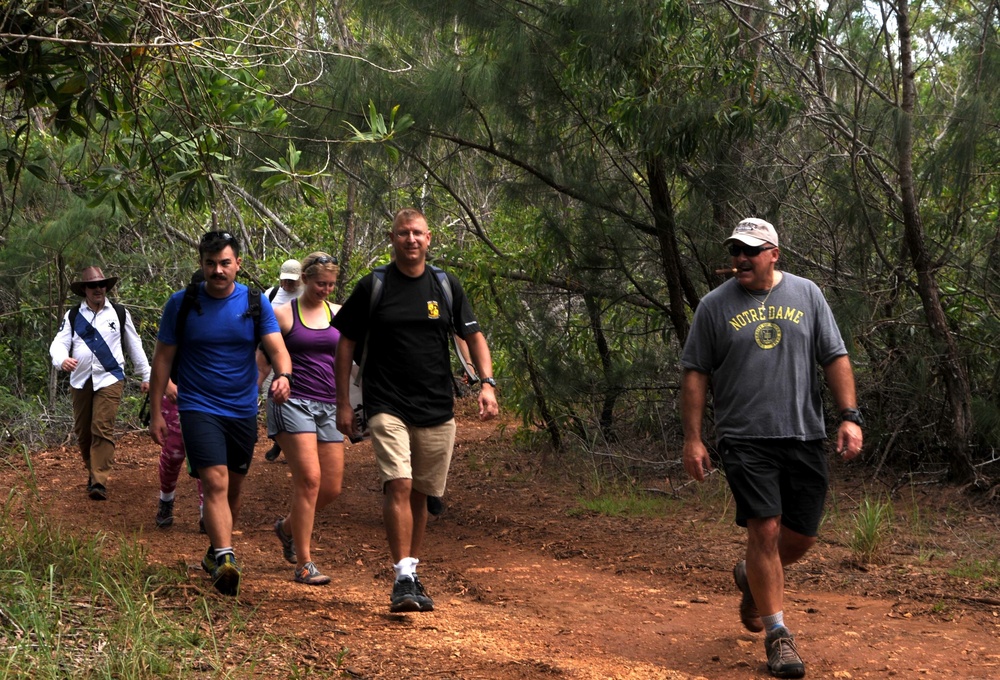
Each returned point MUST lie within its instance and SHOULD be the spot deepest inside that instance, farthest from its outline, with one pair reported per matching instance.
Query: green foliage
(872, 531)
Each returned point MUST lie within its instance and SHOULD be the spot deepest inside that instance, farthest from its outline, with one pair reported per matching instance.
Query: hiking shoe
(165, 514)
(273, 453)
(97, 492)
(783, 661)
(208, 561)
(310, 575)
(434, 505)
(408, 596)
(226, 575)
(287, 542)
(749, 615)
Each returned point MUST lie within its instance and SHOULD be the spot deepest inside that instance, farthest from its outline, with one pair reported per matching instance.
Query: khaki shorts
(422, 454)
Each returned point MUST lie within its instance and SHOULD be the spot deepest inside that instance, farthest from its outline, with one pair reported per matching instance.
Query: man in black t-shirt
(408, 394)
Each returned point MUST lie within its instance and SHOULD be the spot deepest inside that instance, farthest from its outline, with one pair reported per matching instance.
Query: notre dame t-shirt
(408, 369)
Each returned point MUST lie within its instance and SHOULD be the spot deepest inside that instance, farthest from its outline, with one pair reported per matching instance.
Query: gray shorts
(304, 416)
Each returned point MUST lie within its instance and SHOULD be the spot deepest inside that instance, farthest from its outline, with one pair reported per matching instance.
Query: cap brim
(289, 277)
(747, 240)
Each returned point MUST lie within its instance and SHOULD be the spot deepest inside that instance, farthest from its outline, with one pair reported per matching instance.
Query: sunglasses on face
(750, 251)
(93, 286)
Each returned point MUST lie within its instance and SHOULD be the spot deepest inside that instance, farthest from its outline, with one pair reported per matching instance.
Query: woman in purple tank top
(306, 425)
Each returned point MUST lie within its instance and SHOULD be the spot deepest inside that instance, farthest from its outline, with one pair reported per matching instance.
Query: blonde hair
(317, 262)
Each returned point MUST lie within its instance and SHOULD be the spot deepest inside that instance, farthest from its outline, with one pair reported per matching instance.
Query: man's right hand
(158, 427)
(696, 459)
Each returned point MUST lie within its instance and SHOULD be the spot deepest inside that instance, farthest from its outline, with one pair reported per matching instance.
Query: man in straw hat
(91, 345)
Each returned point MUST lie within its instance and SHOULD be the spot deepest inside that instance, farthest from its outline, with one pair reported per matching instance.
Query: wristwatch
(490, 381)
(286, 375)
(852, 415)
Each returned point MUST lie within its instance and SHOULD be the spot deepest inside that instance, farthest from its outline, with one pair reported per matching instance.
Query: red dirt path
(525, 588)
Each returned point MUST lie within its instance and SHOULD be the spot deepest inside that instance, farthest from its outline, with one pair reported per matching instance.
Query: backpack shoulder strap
(449, 298)
(253, 310)
(120, 310)
(378, 284)
(73, 313)
(273, 293)
(188, 302)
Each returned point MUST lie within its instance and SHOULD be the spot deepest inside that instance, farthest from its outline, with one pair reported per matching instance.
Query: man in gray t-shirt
(758, 340)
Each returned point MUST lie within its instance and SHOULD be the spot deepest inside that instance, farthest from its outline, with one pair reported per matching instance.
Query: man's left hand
(144, 387)
(488, 407)
(849, 439)
(280, 389)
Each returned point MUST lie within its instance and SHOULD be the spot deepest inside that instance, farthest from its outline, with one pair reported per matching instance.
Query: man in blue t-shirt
(408, 391)
(758, 339)
(216, 376)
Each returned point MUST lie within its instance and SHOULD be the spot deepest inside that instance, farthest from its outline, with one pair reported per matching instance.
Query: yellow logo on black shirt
(432, 309)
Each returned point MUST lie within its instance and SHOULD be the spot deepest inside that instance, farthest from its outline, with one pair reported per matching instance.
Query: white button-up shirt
(69, 344)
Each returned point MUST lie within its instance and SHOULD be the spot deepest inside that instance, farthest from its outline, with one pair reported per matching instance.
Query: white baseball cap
(754, 232)
(291, 270)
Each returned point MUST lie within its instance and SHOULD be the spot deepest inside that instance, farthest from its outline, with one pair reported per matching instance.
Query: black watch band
(852, 415)
(286, 375)
(490, 381)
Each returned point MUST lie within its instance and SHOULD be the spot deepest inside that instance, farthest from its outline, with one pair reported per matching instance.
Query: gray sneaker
(783, 660)
(749, 615)
(287, 542)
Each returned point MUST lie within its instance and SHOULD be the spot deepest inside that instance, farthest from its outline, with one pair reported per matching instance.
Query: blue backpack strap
(119, 310)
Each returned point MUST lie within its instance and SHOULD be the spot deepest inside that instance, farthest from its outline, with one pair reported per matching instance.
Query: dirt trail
(524, 589)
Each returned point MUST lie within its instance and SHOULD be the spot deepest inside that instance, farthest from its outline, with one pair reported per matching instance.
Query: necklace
(761, 303)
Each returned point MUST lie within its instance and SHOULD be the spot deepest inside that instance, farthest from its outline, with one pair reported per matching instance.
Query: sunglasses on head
(98, 284)
(222, 235)
(750, 251)
(324, 259)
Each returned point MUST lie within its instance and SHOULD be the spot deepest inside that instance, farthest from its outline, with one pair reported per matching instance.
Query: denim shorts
(778, 477)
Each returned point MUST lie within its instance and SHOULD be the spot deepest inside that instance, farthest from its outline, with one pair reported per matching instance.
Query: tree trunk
(611, 388)
(666, 234)
(958, 392)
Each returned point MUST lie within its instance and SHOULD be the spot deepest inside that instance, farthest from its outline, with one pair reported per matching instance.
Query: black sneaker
(226, 575)
(408, 595)
(426, 603)
(783, 660)
(749, 615)
(97, 492)
(165, 514)
(434, 505)
(208, 561)
(287, 542)
(273, 453)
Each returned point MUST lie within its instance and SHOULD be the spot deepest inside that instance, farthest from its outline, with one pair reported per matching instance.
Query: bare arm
(274, 345)
(694, 395)
(163, 361)
(483, 361)
(840, 378)
(342, 371)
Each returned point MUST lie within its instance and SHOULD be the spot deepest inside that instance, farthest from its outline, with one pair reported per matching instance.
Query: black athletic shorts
(771, 477)
(211, 440)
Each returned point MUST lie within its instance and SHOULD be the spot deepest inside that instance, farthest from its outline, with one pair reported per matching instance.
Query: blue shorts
(212, 440)
(304, 416)
(777, 477)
